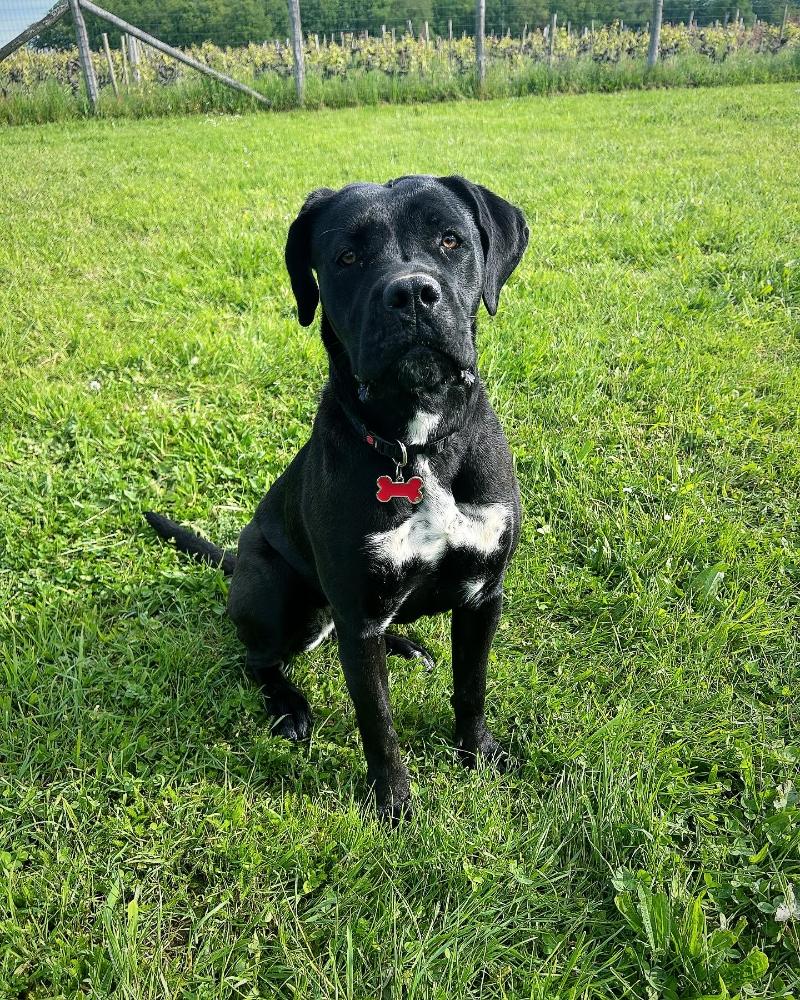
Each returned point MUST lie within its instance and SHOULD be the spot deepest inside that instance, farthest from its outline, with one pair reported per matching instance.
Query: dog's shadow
(173, 681)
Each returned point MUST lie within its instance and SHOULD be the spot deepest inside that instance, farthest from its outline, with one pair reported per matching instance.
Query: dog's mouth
(422, 368)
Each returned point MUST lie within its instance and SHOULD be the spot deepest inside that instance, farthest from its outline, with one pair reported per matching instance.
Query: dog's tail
(187, 541)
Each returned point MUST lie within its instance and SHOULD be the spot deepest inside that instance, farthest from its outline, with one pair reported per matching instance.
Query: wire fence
(185, 23)
(429, 54)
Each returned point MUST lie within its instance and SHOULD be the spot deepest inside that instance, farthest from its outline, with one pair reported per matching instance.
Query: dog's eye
(346, 258)
(450, 241)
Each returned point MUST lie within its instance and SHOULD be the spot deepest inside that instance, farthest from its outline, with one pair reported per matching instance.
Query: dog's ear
(298, 256)
(504, 234)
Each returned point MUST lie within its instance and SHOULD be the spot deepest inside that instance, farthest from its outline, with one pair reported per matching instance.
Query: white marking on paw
(437, 524)
(421, 426)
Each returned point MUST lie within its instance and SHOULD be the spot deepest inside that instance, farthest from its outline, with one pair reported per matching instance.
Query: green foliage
(679, 952)
(238, 22)
(47, 86)
(156, 842)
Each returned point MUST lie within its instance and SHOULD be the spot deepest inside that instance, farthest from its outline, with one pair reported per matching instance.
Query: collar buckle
(398, 466)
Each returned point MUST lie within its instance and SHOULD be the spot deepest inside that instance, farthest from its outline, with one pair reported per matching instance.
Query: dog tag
(389, 489)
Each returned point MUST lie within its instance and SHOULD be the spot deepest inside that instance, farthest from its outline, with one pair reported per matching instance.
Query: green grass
(193, 94)
(155, 840)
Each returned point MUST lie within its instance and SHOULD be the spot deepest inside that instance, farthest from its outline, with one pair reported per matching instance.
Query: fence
(464, 38)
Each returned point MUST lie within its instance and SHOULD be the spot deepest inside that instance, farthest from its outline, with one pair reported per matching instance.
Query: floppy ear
(298, 256)
(504, 234)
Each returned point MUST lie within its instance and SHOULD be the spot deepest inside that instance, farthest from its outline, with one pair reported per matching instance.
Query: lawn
(155, 840)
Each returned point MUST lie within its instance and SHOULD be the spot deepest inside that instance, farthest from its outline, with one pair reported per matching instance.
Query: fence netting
(250, 39)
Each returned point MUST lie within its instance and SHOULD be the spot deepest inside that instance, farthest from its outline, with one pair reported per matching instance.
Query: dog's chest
(437, 526)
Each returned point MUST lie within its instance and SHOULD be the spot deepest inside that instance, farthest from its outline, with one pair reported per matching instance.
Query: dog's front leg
(364, 663)
(472, 631)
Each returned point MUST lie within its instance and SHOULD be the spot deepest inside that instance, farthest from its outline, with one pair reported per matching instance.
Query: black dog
(403, 502)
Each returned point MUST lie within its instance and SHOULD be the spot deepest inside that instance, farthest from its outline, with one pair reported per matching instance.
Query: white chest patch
(437, 524)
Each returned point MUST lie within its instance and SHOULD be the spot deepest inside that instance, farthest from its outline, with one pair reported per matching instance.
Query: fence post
(160, 46)
(480, 39)
(691, 21)
(111, 73)
(84, 53)
(53, 16)
(123, 47)
(783, 22)
(133, 59)
(297, 50)
(551, 38)
(655, 33)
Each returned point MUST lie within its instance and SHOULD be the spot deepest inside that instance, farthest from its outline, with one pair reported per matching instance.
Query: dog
(403, 502)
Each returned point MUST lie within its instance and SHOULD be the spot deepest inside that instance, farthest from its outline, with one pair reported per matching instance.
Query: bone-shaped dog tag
(388, 489)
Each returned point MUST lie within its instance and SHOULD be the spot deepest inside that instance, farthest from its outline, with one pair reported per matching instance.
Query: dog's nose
(420, 290)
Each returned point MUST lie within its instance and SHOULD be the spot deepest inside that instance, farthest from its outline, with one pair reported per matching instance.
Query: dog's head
(402, 268)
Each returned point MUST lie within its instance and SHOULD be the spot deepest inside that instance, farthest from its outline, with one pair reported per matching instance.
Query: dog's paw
(396, 811)
(292, 714)
(485, 747)
(392, 796)
(399, 645)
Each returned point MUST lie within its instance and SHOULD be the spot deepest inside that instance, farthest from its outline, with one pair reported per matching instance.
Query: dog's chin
(422, 370)
(419, 370)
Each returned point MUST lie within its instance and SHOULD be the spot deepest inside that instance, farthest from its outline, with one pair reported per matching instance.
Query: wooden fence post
(85, 53)
(53, 16)
(133, 60)
(480, 41)
(111, 73)
(551, 38)
(783, 22)
(655, 33)
(123, 47)
(297, 50)
(168, 50)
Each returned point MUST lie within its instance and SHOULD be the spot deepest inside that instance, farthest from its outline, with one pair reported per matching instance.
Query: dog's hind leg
(400, 645)
(277, 614)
